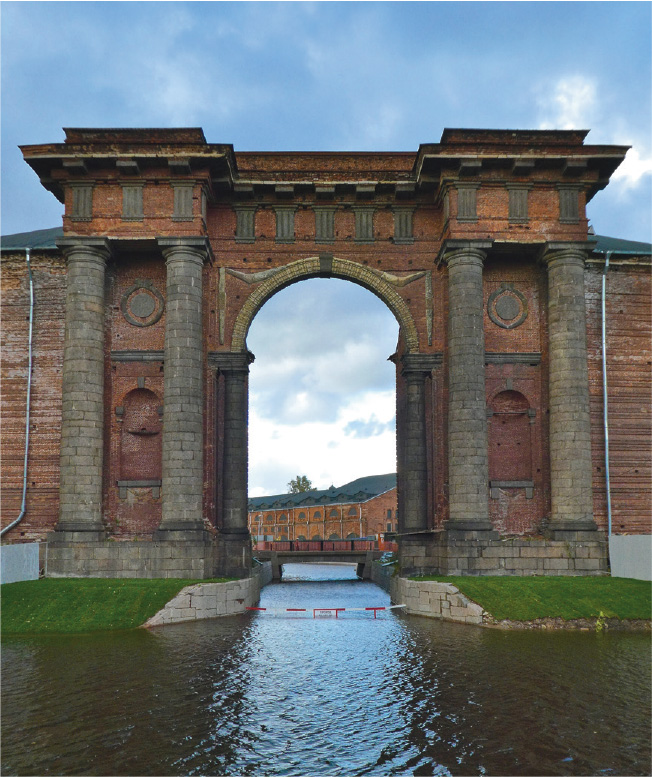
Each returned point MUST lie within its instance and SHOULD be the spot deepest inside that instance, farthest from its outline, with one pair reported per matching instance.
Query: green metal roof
(46, 238)
(618, 246)
(40, 238)
(356, 491)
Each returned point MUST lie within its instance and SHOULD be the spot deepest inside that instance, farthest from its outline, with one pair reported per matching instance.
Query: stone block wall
(442, 554)
(172, 558)
(213, 600)
(382, 574)
(435, 600)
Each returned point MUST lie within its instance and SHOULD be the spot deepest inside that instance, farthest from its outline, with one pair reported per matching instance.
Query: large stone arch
(330, 267)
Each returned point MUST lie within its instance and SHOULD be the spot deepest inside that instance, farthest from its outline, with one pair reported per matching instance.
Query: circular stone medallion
(507, 307)
(142, 304)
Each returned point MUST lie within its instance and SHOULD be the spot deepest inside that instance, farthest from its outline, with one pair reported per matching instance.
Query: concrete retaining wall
(382, 574)
(213, 600)
(631, 556)
(19, 562)
(435, 600)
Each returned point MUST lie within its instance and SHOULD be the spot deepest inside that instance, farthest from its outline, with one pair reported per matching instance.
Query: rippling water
(265, 694)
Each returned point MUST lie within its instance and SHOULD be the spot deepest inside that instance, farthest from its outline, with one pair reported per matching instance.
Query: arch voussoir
(311, 267)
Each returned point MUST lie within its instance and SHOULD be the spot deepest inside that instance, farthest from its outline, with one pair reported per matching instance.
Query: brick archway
(330, 267)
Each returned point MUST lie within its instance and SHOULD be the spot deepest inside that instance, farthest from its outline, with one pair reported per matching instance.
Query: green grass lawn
(70, 605)
(528, 598)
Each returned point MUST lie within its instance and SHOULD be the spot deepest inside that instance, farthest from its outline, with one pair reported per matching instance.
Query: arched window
(334, 514)
(352, 536)
(352, 511)
(334, 537)
(302, 516)
(282, 518)
(316, 537)
(316, 516)
(302, 537)
(510, 447)
(140, 438)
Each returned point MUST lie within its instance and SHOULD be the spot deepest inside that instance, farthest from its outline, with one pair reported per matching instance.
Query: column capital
(420, 365)
(230, 362)
(464, 251)
(566, 252)
(97, 247)
(198, 247)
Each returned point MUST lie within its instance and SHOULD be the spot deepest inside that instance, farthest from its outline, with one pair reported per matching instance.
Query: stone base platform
(199, 559)
(485, 553)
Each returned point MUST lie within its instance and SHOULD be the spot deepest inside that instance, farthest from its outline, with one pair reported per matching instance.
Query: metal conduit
(29, 393)
(605, 395)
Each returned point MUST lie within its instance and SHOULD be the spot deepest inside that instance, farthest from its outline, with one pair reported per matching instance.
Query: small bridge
(359, 552)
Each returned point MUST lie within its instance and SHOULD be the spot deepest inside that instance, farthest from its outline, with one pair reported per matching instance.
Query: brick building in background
(478, 244)
(365, 507)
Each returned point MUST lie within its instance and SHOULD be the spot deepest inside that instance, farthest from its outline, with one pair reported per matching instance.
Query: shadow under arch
(330, 267)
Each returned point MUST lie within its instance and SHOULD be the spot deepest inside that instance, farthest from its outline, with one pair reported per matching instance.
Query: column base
(470, 530)
(77, 532)
(181, 531)
(572, 530)
(235, 553)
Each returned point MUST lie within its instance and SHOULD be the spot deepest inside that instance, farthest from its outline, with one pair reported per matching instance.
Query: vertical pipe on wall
(604, 387)
(29, 393)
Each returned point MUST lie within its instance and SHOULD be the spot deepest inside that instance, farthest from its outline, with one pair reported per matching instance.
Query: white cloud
(569, 103)
(323, 451)
(633, 169)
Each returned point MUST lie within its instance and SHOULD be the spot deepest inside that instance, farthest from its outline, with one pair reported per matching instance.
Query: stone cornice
(96, 245)
(228, 361)
(420, 363)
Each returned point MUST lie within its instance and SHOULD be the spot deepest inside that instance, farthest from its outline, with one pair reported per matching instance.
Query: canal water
(274, 694)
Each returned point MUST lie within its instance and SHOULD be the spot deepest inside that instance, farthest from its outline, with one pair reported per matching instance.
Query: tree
(299, 484)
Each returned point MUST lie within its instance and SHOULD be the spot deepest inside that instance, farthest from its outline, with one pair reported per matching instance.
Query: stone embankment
(445, 601)
(436, 600)
(213, 600)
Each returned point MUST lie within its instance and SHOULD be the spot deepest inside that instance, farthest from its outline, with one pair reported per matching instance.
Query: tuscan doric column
(183, 404)
(413, 475)
(82, 417)
(570, 427)
(468, 463)
(234, 466)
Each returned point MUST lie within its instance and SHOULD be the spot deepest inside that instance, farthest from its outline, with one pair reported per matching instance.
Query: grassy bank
(70, 605)
(529, 598)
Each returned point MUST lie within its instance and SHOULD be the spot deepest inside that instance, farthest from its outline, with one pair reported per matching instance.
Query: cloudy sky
(327, 76)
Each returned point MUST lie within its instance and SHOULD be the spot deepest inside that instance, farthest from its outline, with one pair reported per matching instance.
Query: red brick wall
(326, 520)
(629, 371)
(48, 269)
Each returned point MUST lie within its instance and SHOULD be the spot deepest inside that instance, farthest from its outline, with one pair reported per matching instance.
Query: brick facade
(478, 245)
(330, 519)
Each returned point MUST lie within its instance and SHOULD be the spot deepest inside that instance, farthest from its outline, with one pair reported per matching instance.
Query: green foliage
(72, 605)
(299, 484)
(569, 598)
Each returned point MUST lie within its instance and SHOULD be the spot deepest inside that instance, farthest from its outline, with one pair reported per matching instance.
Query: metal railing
(317, 545)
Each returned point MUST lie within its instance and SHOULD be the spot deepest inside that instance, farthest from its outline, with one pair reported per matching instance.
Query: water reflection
(276, 694)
